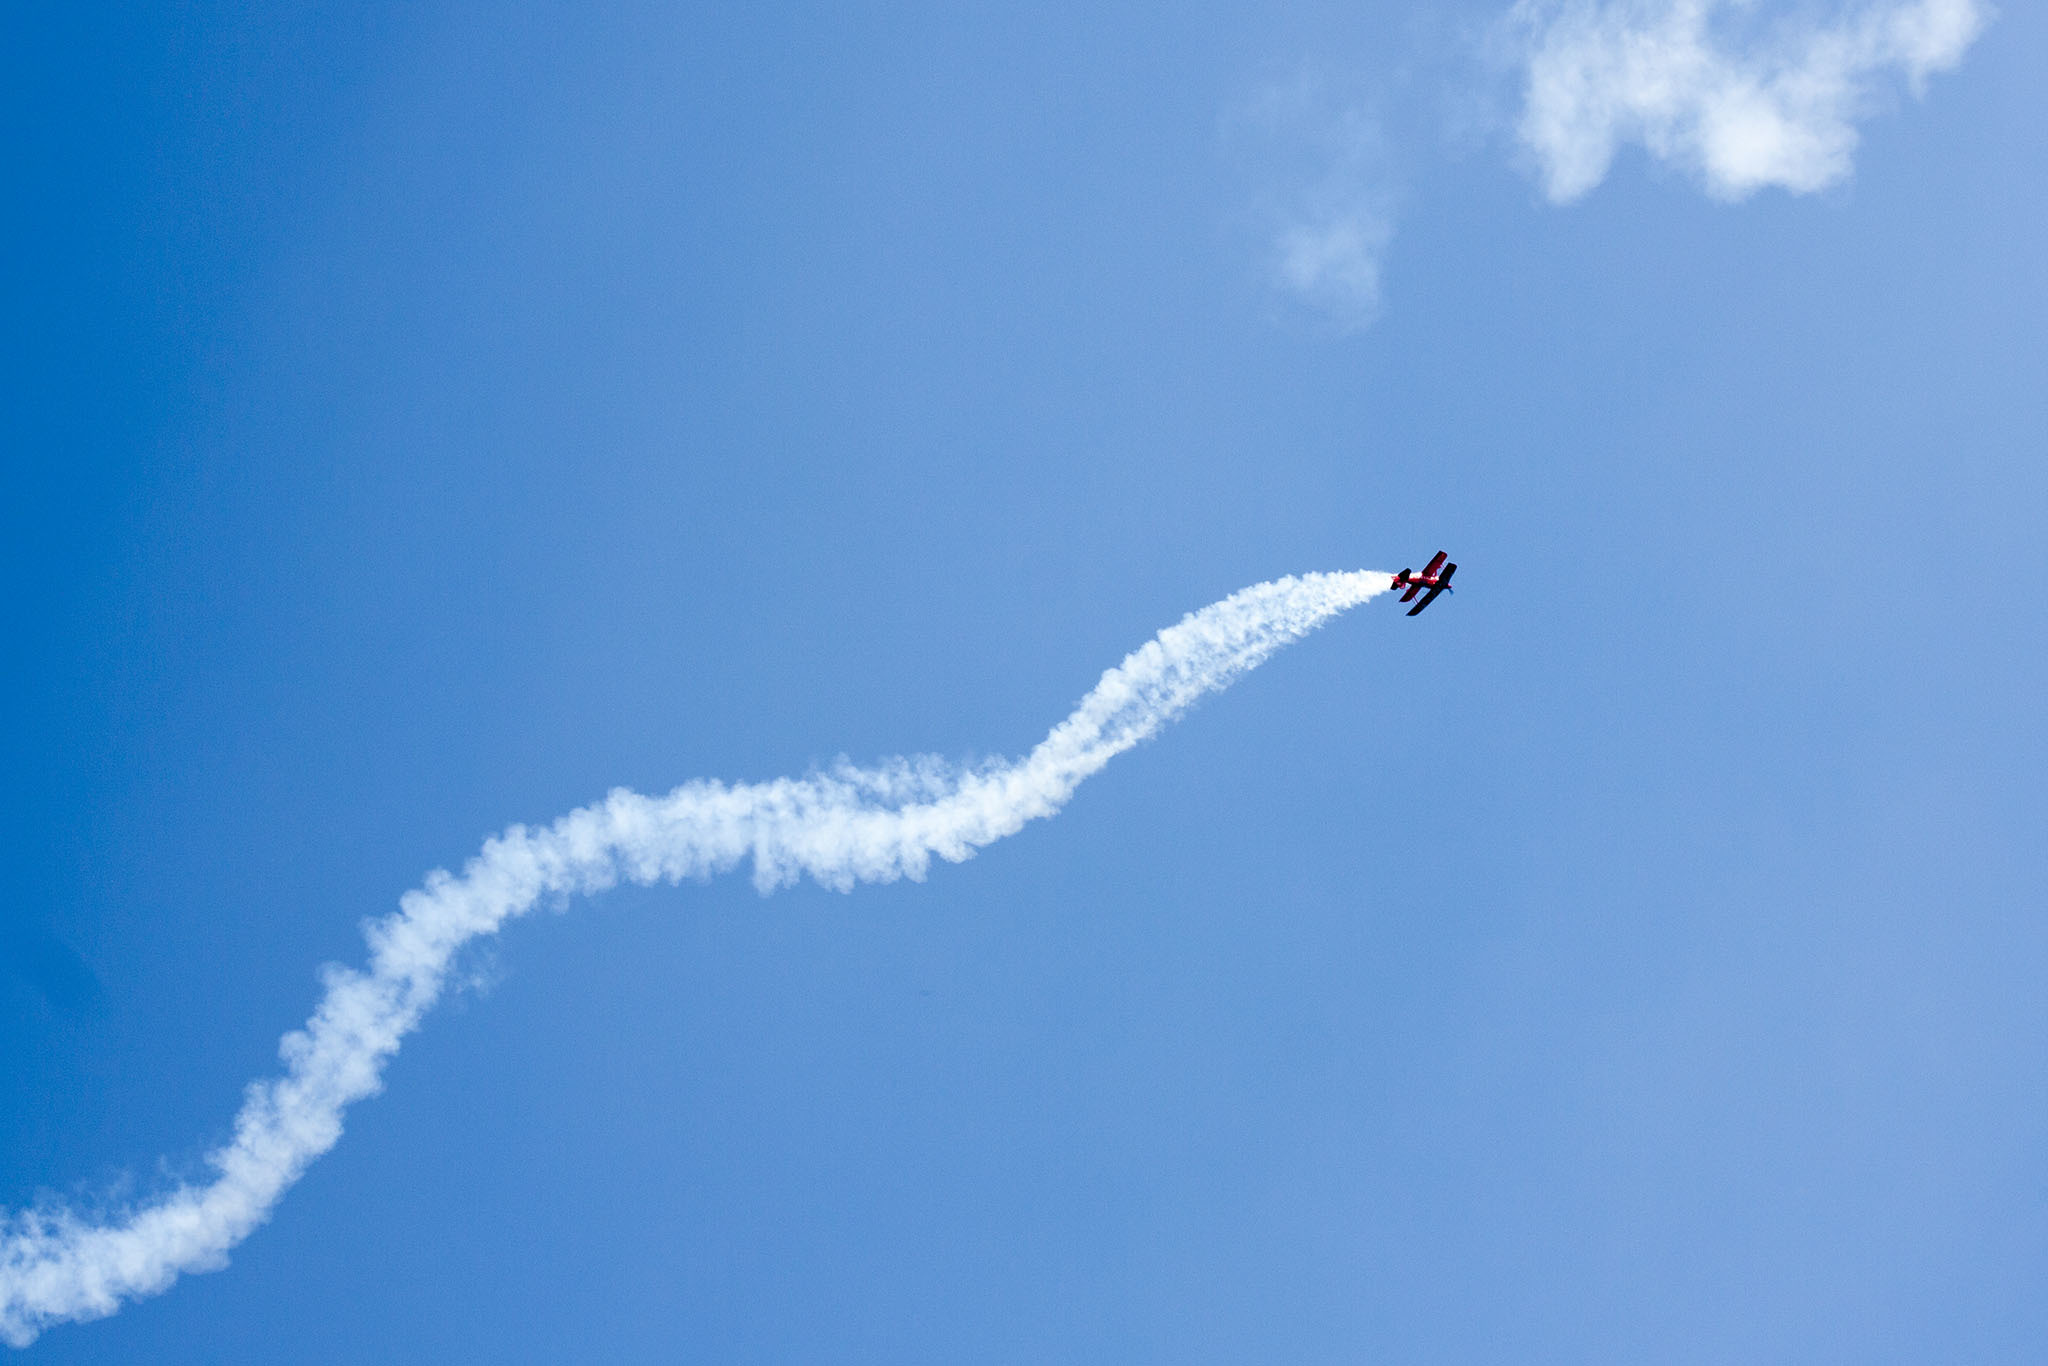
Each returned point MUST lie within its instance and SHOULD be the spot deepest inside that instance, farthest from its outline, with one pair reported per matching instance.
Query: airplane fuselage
(1435, 576)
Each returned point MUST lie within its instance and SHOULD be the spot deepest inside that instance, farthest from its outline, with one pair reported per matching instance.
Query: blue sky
(429, 418)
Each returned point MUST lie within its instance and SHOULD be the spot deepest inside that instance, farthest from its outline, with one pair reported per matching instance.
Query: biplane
(1435, 577)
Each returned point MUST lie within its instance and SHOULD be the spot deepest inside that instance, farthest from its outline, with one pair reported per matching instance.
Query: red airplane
(1429, 578)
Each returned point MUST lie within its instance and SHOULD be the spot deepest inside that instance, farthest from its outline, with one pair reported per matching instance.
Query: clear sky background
(424, 418)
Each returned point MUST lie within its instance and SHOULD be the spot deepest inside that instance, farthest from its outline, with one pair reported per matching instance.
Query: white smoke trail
(846, 826)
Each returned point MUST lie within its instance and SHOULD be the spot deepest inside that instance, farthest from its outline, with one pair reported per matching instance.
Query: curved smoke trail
(846, 826)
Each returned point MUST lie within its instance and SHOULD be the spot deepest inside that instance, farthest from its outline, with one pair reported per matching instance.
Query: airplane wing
(1413, 589)
(1443, 583)
(1435, 563)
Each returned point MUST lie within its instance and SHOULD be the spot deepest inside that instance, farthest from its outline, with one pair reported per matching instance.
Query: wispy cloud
(1331, 260)
(1739, 94)
(840, 828)
(1323, 197)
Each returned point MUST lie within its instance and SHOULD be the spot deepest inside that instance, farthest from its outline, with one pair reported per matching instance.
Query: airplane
(1429, 578)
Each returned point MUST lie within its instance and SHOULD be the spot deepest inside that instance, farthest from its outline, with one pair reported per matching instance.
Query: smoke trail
(842, 827)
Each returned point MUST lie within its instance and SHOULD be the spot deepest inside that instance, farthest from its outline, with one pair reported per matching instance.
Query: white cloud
(1331, 260)
(1323, 198)
(1739, 94)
